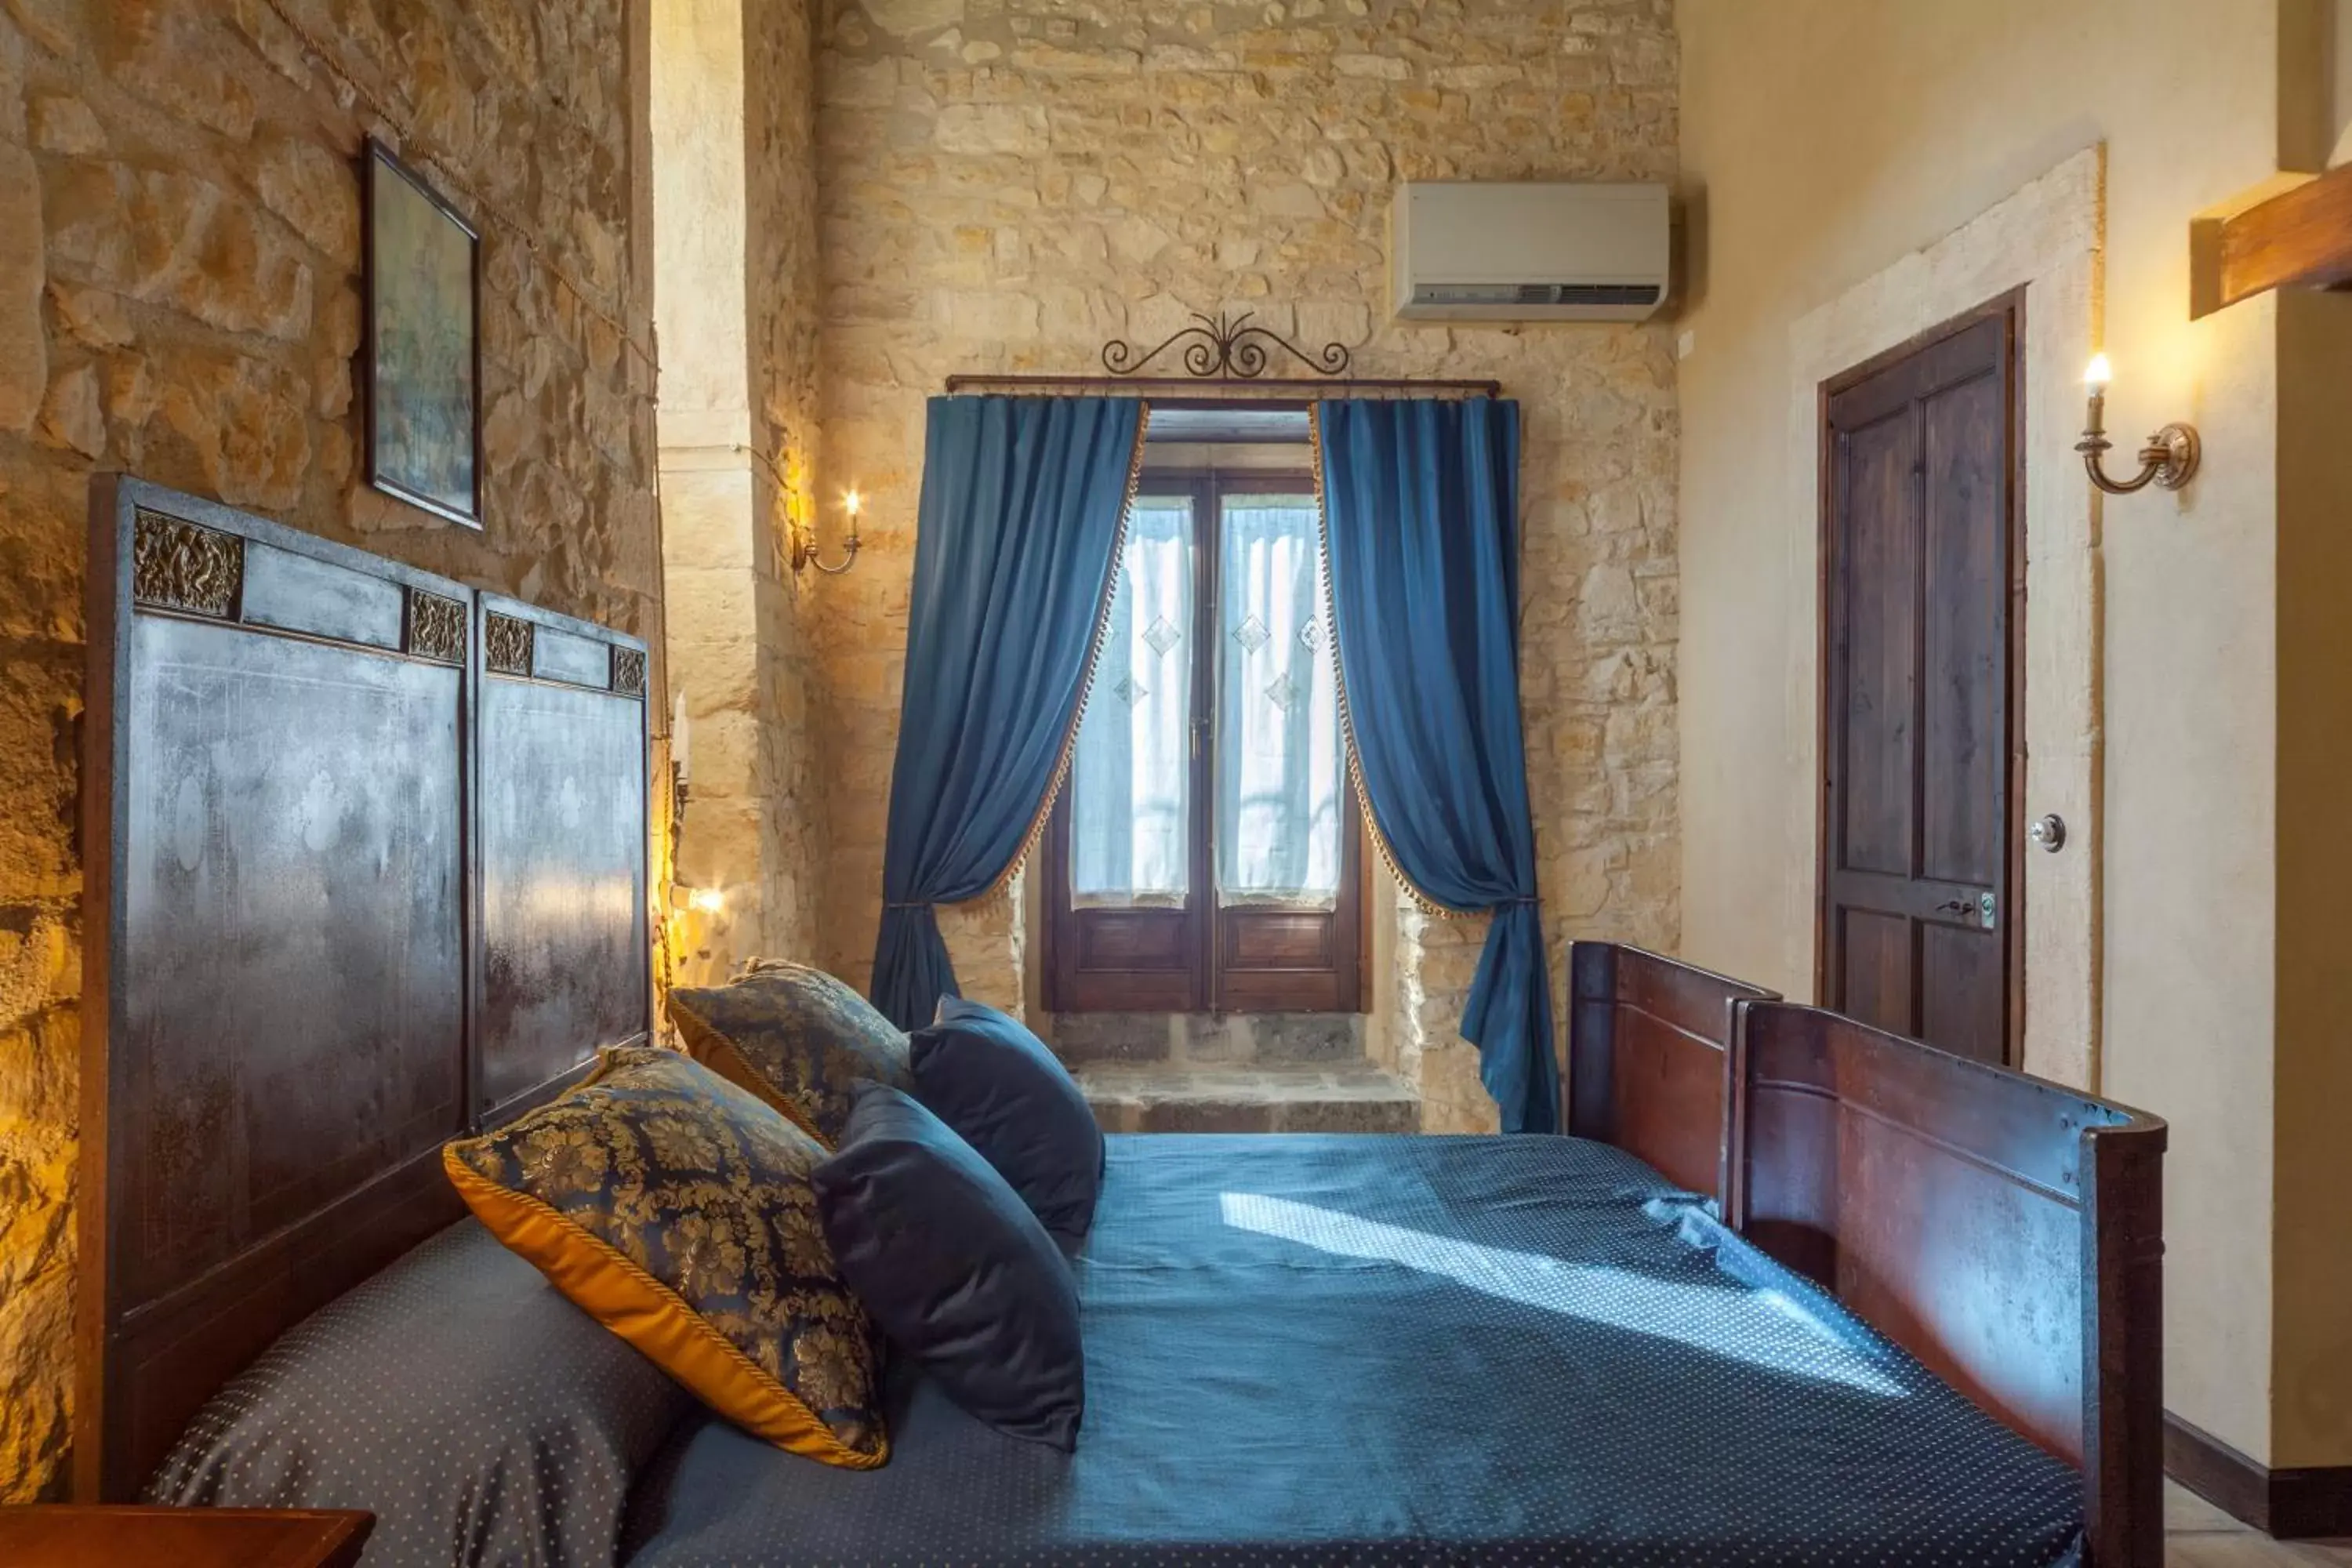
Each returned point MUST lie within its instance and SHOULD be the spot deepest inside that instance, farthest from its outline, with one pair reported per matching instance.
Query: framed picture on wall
(423, 359)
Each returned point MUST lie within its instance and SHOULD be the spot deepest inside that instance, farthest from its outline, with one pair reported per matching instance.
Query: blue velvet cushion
(955, 1268)
(985, 1075)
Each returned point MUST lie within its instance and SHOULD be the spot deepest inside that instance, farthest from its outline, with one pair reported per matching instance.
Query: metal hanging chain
(416, 149)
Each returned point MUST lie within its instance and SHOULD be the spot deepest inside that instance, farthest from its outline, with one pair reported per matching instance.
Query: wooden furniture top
(79, 1537)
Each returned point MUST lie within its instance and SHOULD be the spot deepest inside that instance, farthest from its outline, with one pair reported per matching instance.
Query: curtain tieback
(1517, 898)
(920, 904)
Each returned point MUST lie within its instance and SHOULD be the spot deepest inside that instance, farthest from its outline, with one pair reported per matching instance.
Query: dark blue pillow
(954, 1268)
(986, 1076)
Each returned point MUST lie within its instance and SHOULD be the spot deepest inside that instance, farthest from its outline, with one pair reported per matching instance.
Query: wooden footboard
(2006, 1231)
(1650, 1059)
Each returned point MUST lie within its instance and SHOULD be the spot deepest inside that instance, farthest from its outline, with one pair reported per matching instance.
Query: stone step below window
(1165, 1097)
(1208, 1039)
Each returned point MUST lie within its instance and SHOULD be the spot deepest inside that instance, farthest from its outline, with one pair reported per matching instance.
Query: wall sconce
(805, 545)
(680, 769)
(2169, 458)
(705, 901)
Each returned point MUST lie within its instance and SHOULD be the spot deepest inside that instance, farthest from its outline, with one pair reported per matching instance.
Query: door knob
(2048, 832)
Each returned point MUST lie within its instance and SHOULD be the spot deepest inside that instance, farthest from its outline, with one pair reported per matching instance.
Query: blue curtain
(1421, 502)
(1016, 536)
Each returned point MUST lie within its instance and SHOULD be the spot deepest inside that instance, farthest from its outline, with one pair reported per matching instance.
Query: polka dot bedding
(1317, 1350)
(482, 1418)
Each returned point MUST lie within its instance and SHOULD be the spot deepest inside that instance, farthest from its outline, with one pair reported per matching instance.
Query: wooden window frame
(1202, 958)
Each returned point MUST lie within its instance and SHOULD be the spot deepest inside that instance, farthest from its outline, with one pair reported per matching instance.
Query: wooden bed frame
(2006, 1231)
(1650, 1054)
(366, 869)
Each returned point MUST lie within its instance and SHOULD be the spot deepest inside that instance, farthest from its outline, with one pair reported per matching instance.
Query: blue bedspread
(1316, 1350)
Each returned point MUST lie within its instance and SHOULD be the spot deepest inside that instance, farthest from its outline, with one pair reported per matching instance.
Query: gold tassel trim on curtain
(1426, 904)
(1087, 687)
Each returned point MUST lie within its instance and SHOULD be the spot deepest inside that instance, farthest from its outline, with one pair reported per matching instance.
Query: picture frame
(421, 341)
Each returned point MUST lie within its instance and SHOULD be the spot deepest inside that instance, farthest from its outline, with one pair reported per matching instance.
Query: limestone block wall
(735, 257)
(180, 298)
(785, 293)
(1006, 183)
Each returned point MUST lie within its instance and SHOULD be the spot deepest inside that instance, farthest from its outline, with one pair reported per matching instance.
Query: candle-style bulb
(2098, 374)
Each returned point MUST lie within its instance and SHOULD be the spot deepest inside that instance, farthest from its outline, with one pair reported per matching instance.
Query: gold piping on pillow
(717, 1052)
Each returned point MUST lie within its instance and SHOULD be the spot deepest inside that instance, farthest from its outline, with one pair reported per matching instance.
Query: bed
(1319, 1350)
(368, 871)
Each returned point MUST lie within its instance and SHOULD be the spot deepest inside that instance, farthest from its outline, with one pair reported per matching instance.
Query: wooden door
(1922, 601)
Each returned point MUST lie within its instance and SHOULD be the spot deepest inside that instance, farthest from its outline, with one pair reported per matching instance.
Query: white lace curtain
(1278, 748)
(1130, 778)
(1277, 789)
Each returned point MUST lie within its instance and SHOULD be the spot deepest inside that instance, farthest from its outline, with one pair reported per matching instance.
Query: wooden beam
(2301, 238)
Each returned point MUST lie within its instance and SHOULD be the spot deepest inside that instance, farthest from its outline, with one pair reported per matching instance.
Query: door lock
(1984, 909)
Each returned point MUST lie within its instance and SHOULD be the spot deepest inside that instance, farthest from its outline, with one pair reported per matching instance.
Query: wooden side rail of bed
(2006, 1231)
(1650, 1062)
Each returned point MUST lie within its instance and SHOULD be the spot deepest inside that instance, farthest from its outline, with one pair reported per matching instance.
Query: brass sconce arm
(800, 548)
(2169, 458)
(805, 542)
(804, 555)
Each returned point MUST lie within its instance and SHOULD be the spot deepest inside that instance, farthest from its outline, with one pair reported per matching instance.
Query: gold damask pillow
(795, 1037)
(676, 1209)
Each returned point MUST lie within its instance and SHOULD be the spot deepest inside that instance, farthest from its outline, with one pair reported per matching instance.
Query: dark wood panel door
(1921, 699)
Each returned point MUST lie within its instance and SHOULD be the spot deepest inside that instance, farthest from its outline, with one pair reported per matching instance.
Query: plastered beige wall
(1823, 139)
(2040, 248)
(2338, 129)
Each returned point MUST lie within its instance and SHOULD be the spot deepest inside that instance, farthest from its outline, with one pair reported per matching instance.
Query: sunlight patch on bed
(1783, 1338)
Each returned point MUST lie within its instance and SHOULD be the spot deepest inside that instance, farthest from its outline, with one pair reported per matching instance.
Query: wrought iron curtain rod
(1224, 361)
(1219, 392)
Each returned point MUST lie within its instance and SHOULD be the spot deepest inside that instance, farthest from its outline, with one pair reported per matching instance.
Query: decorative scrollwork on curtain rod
(1222, 348)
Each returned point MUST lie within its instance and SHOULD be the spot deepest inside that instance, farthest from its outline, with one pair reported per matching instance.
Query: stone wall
(1006, 183)
(786, 292)
(733, 124)
(179, 298)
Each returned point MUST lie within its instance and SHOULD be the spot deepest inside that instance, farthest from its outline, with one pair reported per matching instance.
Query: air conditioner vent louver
(1528, 251)
(1555, 294)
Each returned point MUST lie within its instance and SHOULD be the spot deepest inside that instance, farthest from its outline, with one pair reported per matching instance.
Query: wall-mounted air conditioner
(1535, 251)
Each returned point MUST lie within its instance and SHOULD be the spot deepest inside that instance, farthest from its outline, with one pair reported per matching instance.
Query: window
(1205, 853)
